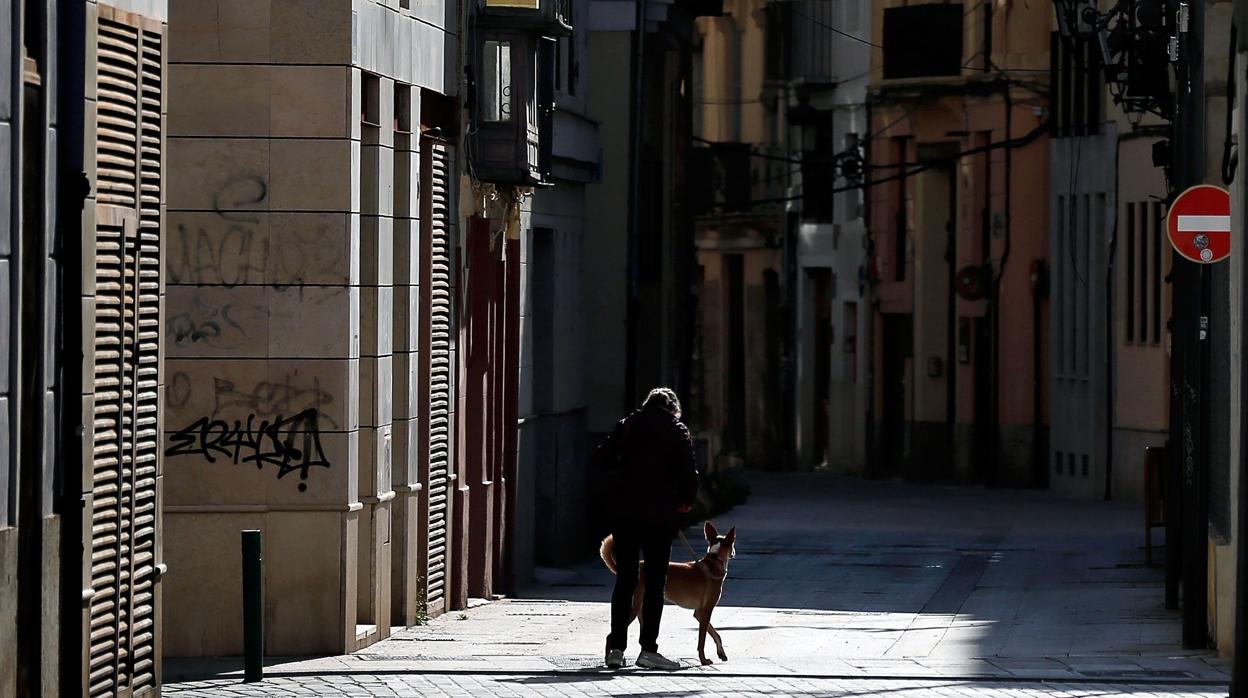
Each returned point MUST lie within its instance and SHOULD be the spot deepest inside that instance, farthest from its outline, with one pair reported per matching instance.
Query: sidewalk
(840, 581)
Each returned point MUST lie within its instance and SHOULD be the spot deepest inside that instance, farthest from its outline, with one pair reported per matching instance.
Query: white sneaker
(654, 660)
(615, 659)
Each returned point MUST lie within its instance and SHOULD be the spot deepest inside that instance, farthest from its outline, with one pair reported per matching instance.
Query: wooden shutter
(438, 211)
(122, 652)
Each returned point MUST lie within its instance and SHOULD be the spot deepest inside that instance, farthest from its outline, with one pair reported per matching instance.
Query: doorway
(898, 349)
(821, 283)
(734, 330)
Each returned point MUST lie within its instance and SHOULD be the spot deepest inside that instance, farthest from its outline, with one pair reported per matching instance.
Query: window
(370, 100)
(922, 41)
(1142, 295)
(737, 61)
(1075, 77)
(819, 173)
(901, 224)
(779, 22)
(559, 67)
(402, 108)
(697, 89)
(496, 74)
(567, 72)
(574, 68)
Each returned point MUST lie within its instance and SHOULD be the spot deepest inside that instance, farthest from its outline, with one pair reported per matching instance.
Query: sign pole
(1198, 226)
(1196, 629)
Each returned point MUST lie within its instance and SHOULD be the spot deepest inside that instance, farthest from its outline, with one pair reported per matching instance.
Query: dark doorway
(734, 331)
(773, 324)
(982, 453)
(821, 283)
(898, 347)
(543, 319)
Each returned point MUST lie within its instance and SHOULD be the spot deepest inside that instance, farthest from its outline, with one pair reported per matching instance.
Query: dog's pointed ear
(710, 532)
(732, 535)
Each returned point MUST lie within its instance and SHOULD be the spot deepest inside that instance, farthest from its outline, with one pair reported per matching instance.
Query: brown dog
(693, 585)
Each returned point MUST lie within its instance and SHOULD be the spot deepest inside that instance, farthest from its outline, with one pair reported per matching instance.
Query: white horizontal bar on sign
(1204, 224)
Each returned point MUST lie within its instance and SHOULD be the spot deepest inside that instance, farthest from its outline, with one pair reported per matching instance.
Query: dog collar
(706, 561)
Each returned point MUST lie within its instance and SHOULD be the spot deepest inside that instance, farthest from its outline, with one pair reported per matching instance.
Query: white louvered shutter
(438, 161)
(122, 657)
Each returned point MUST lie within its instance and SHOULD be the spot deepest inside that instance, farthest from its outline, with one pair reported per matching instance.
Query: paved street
(840, 587)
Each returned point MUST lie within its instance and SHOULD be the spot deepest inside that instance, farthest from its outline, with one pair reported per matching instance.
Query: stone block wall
(293, 290)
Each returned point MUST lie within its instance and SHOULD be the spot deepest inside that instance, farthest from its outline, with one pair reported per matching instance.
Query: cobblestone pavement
(637, 685)
(840, 587)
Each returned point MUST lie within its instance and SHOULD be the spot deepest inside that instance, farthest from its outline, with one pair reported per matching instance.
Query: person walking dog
(652, 478)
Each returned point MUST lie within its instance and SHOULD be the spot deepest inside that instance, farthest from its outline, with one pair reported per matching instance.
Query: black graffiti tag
(291, 444)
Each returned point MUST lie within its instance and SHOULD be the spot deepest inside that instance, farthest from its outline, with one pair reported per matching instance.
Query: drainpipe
(951, 332)
(996, 293)
(1192, 295)
(1039, 461)
(869, 309)
(1109, 334)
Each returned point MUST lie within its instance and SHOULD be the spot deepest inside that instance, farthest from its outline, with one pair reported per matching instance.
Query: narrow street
(840, 587)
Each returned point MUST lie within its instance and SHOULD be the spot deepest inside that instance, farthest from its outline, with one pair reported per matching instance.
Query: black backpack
(608, 470)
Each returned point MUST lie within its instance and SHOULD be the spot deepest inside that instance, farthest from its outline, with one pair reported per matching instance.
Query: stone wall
(292, 300)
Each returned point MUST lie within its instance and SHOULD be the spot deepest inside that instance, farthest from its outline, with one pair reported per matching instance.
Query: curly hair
(664, 398)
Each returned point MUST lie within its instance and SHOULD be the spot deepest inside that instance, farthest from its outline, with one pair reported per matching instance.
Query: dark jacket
(650, 468)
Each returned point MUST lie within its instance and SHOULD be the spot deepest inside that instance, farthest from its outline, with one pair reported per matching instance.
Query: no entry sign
(1199, 224)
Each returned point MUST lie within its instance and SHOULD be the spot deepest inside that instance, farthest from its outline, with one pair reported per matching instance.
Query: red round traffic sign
(1199, 224)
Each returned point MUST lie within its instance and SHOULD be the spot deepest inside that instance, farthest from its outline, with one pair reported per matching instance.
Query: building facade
(32, 510)
(1109, 368)
(553, 400)
(825, 79)
(83, 112)
(639, 267)
(959, 219)
(739, 232)
(344, 315)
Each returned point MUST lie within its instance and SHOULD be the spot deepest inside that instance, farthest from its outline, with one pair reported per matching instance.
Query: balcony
(545, 17)
(512, 107)
(738, 178)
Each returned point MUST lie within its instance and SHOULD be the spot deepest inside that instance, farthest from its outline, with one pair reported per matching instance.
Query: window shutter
(122, 657)
(437, 166)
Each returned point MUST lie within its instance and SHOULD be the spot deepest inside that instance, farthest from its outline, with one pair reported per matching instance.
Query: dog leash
(681, 533)
(697, 562)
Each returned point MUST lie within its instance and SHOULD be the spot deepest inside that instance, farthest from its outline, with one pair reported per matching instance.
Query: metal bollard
(253, 608)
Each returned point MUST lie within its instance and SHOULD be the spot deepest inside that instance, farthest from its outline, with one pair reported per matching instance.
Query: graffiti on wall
(234, 246)
(203, 323)
(274, 423)
(271, 398)
(289, 444)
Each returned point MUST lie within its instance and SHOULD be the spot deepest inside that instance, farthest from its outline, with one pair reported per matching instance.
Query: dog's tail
(607, 552)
